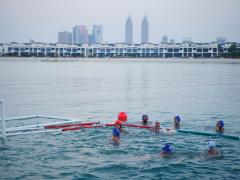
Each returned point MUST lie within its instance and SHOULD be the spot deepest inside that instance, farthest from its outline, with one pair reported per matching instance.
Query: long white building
(177, 50)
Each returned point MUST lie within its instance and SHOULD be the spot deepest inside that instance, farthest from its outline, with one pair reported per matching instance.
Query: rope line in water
(209, 134)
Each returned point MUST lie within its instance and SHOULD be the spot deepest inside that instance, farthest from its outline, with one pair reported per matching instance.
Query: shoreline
(160, 60)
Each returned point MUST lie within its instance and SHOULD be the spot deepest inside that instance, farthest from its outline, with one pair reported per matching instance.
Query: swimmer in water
(220, 126)
(122, 116)
(116, 132)
(144, 119)
(177, 122)
(157, 127)
(166, 150)
(211, 148)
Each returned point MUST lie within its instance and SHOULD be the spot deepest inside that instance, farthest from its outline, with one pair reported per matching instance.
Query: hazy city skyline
(202, 21)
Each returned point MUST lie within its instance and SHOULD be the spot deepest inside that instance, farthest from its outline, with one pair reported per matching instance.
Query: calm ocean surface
(200, 94)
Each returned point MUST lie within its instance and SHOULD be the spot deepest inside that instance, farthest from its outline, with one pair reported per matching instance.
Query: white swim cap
(211, 145)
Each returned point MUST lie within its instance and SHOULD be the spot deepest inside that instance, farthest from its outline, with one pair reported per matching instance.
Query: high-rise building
(64, 37)
(145, 30)
(129, 31)
(80, 35)
(91, 39)
(97, 32)
(172, 41)
(76, 35)
(164, 39)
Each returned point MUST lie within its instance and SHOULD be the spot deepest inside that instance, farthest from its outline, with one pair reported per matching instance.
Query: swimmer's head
(167, 149)
(177, 119)
(122, 116)
(157, 124)
(220, 124)
(211, 145)
(145, 118)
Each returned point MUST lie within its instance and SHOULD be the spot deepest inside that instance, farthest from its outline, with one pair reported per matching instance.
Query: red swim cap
(118, 122)
(122, 116)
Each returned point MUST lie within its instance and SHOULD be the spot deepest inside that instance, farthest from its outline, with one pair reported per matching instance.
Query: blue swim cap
(167, 149)
(177, 118)
(211, 145)
(116, 132)
(221, 123)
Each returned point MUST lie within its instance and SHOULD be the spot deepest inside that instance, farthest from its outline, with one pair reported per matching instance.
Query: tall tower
(80, 35)
(98, 33)
(76, 35)
(129, 31)
(145, 31)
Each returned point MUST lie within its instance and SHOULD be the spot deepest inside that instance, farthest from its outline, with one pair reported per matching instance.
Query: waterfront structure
(145, 30)
(97, 33)
(64, 37)
(129, 31)
(177, 50)
(80, 35)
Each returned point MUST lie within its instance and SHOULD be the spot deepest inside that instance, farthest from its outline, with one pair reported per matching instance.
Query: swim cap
(144, 117)
(116, 132)
(221, 123)
(177, 118)
(211, 145)
(167, 149)
(118, 122)
(122, 116)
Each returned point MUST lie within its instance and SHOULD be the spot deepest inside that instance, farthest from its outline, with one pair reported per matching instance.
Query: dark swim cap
(167, 149)
(144, 117)
(177, 118)
(221, 123)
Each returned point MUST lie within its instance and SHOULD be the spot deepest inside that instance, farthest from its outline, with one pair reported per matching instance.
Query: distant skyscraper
(221, 40)
(164, 39)
(97, 32)
(65, 37)
(145, 31)
(91, 39)
(187, 40)
(129, 31)
(80, 35)
(76, 35)
(172, 41)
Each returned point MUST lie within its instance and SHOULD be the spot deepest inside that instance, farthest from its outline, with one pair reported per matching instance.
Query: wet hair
(145, 118)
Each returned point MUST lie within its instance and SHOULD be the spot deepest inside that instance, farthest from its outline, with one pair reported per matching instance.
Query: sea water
(200, 93)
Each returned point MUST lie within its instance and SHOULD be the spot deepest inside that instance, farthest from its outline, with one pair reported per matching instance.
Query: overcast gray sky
(203, 20)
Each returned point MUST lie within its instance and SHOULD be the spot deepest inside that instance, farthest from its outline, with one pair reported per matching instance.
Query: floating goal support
(30, 129)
